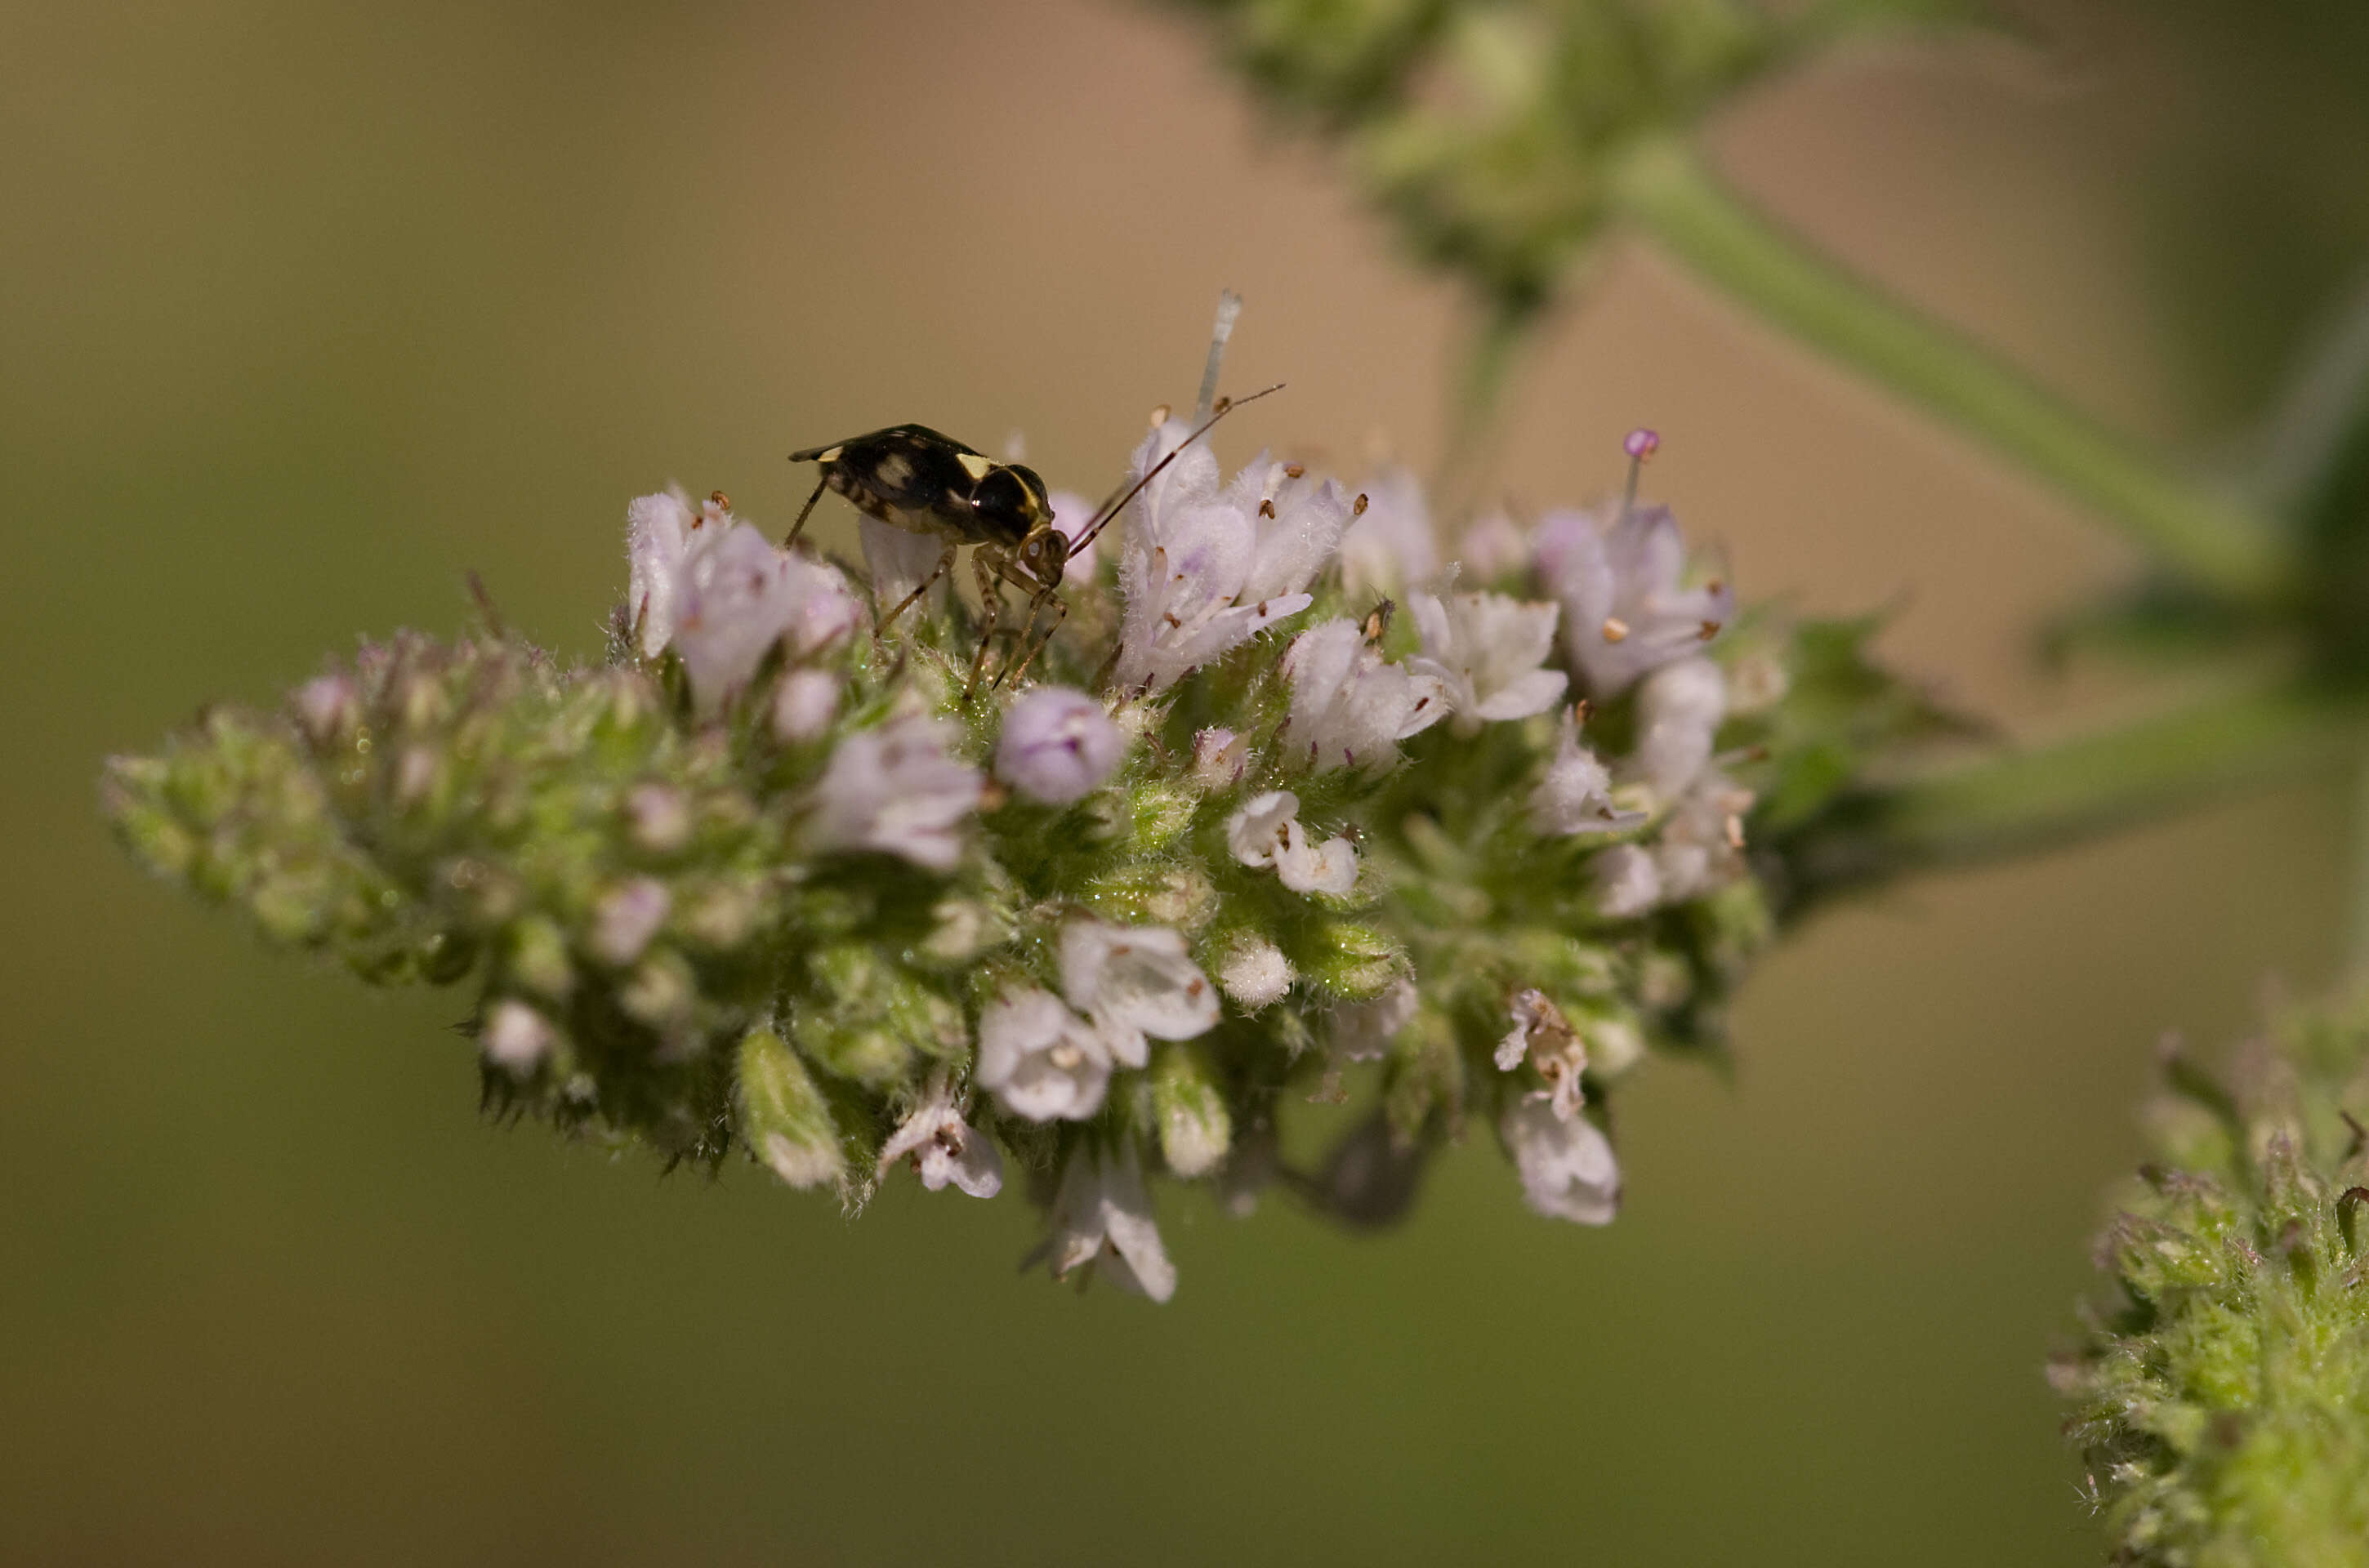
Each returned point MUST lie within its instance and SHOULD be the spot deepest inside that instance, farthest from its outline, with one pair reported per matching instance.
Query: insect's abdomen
(905, 476)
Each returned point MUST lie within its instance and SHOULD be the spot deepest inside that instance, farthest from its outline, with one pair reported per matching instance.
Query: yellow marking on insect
(973, 465)
(831, 456)
(894, 470)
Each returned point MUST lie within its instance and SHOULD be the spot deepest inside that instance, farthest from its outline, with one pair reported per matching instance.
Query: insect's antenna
(1102, 520)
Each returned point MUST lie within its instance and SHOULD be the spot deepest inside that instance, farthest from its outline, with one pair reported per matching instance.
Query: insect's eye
(1048, 553)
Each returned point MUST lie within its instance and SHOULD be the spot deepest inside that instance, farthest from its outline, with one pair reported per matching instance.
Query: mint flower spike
(2220, 1394)
(766, 881)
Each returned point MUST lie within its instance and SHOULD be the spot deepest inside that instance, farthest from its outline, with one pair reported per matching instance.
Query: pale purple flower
(515, 1037)
(737, 595)
(1102, 1218)
(896, 789)
(1619, 573)
(1350, 707)
(1057, 745)
(1576, 796)
(803, 704)
(1493, 548)
(1567, 1166)
(1266, 832)
(1544, 1037)
(1679, 710)
(1255, 972)
(1133, 981)
(328, 707)
(1206, 568)
(627, 917)
(1039, 1059)
(1627, 881)
(1391, 547)
(1362, 1031)
(944, 1148)
(1488, 650)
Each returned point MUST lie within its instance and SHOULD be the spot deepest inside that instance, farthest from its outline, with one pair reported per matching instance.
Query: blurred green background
(305, 311)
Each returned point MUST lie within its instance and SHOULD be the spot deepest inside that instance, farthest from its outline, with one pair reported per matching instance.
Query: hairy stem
(2209, 538)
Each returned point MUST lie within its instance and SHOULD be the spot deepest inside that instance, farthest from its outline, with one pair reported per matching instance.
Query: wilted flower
(1487, 650)
(1134, 981)
(1349, 706)
(1545, 1039)
(1701, 846)
(1266, 832)
(1039, 1059)
(944, 1148)
(1058, 744)
(1619, 572)
(896, 789)
(1567, 1167)
(1389, 547)
(1102, 1218)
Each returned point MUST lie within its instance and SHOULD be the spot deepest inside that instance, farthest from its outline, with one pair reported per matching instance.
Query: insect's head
(1044, 553)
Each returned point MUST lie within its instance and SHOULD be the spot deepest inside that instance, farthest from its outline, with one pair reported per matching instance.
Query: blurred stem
(2214, 543)
(1477, 420)
(2006, 805)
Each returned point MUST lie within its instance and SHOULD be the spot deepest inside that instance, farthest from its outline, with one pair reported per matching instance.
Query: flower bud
(1195, 1128)
(783, 1115)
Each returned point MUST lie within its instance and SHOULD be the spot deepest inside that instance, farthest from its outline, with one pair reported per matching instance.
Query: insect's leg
(990, 597)
(946, 565)
(1061, 613)
(799, 527)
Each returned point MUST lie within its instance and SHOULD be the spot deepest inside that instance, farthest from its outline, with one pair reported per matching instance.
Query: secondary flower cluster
(1296, 787)
(2221, 1396)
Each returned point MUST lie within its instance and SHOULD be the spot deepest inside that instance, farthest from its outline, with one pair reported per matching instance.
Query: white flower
(1391, 547)
(944, 1148)
(1205, 569)
(516, 1036)
(898, 558)
(1134, 981)
(1255, 973)
(1545, 1037)
(1567, 1167)
(627, 917)
(1493, 548)
(1576, 796)
(803, 704)
(1349, 706)
(896, 789)
(1039, 1059)
(1058, 744)
(1701, 846)
(1618, 573)
(1220, 756)
(1362, 1031)
(656, 528)
(1627, 881)
(1101, 1218)
(737, 595)
(1487, 650)
(1266, 832)
(1678, 712)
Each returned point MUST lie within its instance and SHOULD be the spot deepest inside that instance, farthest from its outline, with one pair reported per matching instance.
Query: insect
(915, 478)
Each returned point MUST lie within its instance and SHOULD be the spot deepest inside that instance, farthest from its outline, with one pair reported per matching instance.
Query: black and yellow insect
(912, 477)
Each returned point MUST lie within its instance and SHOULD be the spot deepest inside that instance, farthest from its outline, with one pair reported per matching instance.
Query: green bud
(1347, 961)
(538, 960)
(1189, 1108)
(783, 1117)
